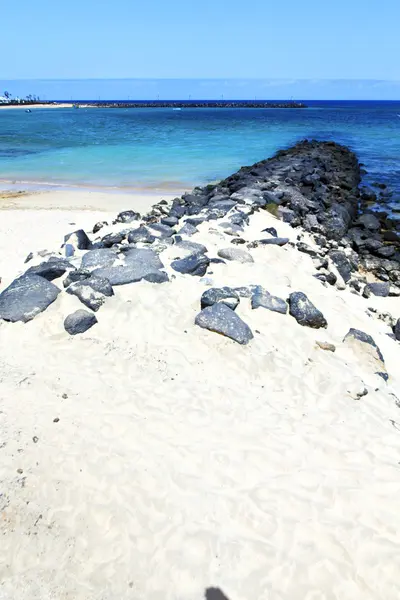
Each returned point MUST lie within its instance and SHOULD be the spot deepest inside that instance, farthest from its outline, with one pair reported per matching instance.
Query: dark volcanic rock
(273, 241)
(271, 230)
(92, 292)
(188, 229)
(304, 311)
(191, 247)
(369, 221)
(225, 295)
(77, 275)
(99, 258)
(376, 289)
(26, 297)
(221, 319)
(51, 269)
(78, 239)
(194, 264)
(262, 298)
(342, 263)
(79, 322)
(127, 216)
(140, 235)
(396, 330)
(137, 264)
(112, 238)
(170, 221)
(160, 230)
(99, 225)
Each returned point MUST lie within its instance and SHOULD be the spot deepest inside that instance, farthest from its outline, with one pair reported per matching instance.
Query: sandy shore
(33, 106)
(150, 459)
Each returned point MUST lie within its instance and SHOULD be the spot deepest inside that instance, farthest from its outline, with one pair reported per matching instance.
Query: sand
(150, 459)
(33, 106)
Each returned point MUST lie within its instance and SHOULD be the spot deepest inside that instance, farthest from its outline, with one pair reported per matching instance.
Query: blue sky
(209, 39)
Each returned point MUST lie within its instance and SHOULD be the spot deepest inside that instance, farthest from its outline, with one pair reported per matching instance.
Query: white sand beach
(150, 459)
(38, 105)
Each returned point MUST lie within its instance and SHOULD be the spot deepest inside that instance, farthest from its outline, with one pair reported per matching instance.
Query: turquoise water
(165, 148)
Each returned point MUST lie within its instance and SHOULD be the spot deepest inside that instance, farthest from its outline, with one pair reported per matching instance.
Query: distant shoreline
(177, 104)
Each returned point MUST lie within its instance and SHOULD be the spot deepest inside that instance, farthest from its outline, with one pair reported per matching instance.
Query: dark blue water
(137, 148)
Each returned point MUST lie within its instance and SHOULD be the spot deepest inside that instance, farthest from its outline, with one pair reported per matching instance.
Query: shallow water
(138, 148)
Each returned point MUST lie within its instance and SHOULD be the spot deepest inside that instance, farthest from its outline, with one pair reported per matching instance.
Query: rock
(357, 390)
(222, 319)
(52, 269)
(170, 221)
(161, 231)
(99, 258)
(79, 322)
(236, 254)
(271, 230)
(194, 264)
(304, 311)
(368, 221)
(191, 247)
(262, 298)
(238, 241)
(377, 289)
(320, 263)
(188, 229)
(99, 225)
(342, 264)
(247, 291)
(306, 249)
(273, 241)
(140, 235)
(77, 275)
(326, 346)
(78, 239)
(112, 239)
(127, 216)
(26, 297)
(396, 330)
(225, 295)
(92, 292)
(364, 345)
(137, 264)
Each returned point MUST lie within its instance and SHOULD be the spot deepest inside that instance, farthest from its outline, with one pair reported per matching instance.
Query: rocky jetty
(199, 104)
(314, 188)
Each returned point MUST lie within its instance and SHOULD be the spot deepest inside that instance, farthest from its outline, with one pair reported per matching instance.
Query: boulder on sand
(304, 311)
(365, 347)
(225, 295)
(92, 292)
(51, 269)
(262, 298)
(79, 322)
(99, 258)
(194, 264)
(26, 297)
(136, 264)
(77, 239)
(236, 254)
(222, 319)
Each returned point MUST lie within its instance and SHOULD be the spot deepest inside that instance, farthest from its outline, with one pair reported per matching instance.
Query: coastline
(33, 106)
(169, 459)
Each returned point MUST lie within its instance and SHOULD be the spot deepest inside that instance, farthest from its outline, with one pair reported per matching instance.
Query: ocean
(173, 149)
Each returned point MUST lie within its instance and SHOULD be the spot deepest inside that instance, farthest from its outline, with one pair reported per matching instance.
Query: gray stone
(160, 230)
(194, 264)
(376, 289)
(236, 254)
(222, 319)
(396, 330)
(364, 344)
(92, 292)
(79, 322)
(77, 275)
(263, 299)
(271, 230)
(188, 229)
(99, 225)
(140, 235)
(137, 264)
(26, 297)
(191, 247)
(306, 249)
(170, 221)
(368, 221)
(225, 295)
(304, 311)
(99, 258)
(127, 216)
(247, 291)
(113, 238)
(78, 239)
(342, 263)
(273, 241)
(52, 269)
